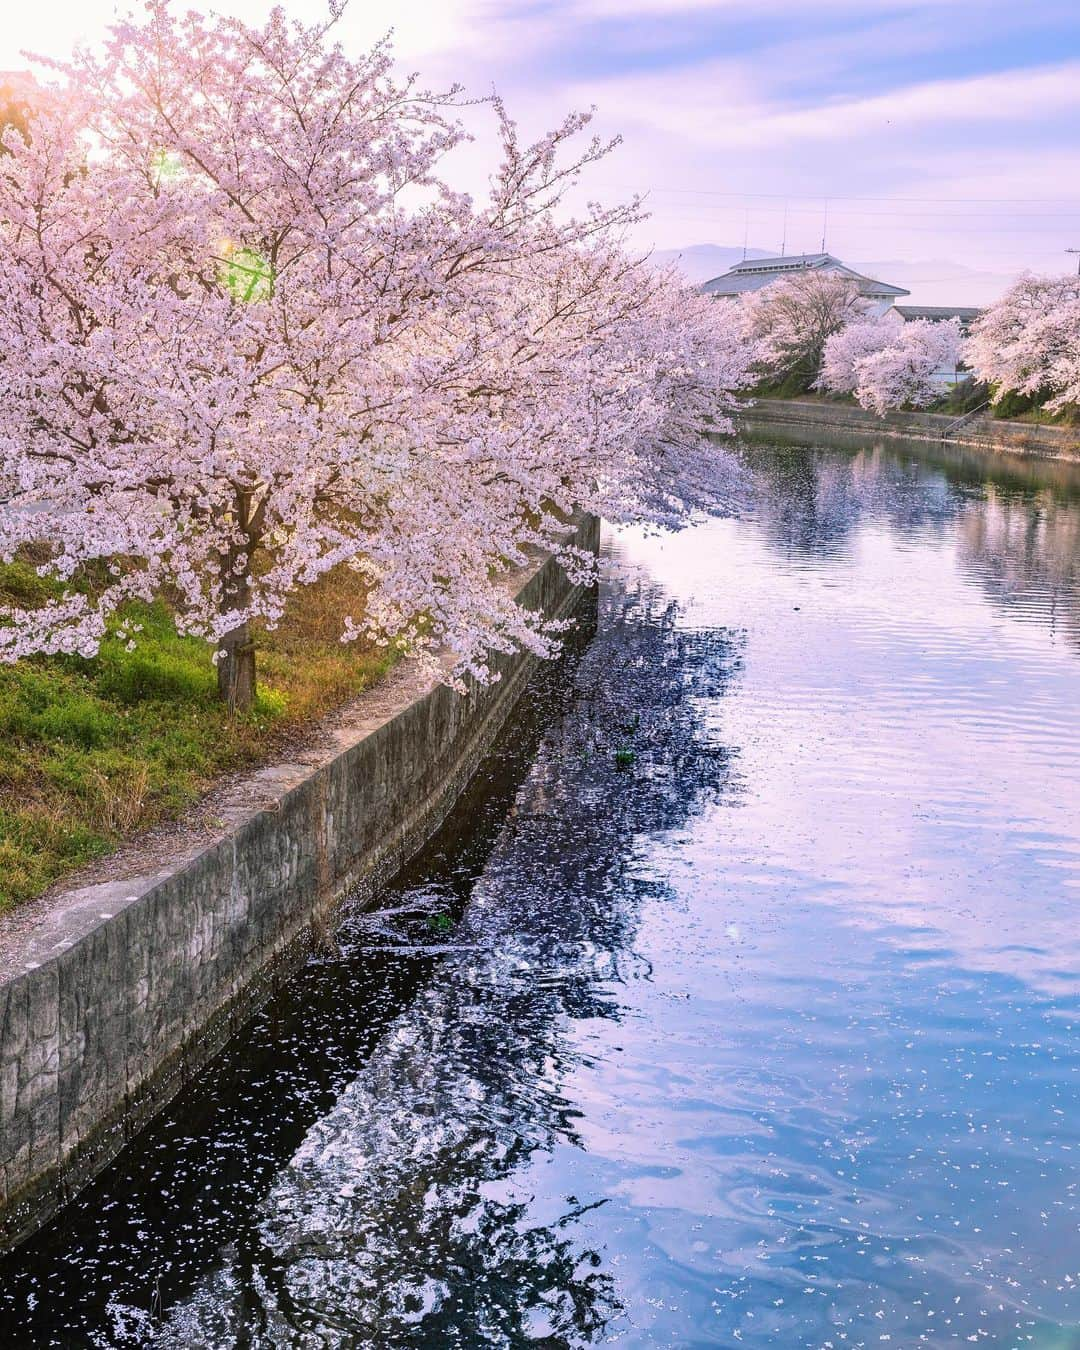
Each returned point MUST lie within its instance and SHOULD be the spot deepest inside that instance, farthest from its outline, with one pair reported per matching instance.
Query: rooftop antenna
(1075, 250)
(783, 242)
(825, 225)
(746, 234)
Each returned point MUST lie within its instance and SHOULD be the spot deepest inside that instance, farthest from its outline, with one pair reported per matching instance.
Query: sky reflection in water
(736, 1005)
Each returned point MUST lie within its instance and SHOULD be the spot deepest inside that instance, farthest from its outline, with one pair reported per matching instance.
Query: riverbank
(810, 417)
(114, 994)
(98, 751)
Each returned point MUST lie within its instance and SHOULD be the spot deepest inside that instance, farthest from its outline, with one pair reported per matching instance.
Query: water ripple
(737, 1005)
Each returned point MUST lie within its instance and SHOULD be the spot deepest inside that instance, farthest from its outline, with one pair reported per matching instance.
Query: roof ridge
(742, 274)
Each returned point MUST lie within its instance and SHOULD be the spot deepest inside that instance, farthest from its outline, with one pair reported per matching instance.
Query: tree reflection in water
(813, 501)
(1016, 522)
(398, 1221)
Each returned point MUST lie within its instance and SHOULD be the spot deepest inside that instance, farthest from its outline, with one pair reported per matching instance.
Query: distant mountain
(937, 281)
(702, 262)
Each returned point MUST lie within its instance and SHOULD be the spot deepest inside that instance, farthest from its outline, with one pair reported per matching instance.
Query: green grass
(1069, 416)
(966, 396)
(96, 750)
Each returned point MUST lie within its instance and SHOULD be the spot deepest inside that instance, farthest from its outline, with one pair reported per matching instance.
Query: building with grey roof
(967, 314)
(754, 273)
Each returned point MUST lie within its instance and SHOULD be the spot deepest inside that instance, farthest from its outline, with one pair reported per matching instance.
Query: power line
(838, 197)
(859, 214)
(862, 214)
(900, 226)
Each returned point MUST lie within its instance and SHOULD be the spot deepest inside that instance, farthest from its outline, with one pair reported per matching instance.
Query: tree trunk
(236, 670)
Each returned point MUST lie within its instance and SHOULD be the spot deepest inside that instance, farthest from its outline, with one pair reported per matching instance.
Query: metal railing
(958, 422)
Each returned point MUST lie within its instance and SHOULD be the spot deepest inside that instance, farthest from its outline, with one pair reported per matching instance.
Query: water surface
(735, 1006)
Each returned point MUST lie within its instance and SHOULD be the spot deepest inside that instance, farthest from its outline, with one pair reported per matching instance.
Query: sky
(938, 140)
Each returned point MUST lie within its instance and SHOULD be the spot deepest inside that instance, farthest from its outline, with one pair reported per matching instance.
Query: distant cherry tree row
(814, 330)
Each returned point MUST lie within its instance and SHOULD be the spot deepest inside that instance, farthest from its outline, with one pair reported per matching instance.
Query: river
(735, 1006)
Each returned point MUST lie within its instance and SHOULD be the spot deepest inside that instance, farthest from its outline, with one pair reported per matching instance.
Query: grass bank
(967, 396)
(94, 751)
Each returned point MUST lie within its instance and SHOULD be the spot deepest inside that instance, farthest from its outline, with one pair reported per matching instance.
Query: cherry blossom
(250, 333)
(845, 348)
(1028, 342)
(792, 319)
(889, 364)
(909, 372)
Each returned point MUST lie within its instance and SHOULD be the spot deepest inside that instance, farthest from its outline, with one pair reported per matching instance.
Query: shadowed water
(735, 1006)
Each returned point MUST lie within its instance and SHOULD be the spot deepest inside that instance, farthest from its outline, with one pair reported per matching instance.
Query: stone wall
(113, 995)
(988, 433)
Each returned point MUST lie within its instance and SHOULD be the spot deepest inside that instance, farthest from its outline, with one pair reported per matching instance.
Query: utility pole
(1075, 250)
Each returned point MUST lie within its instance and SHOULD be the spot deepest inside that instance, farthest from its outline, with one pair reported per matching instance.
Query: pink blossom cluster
(849, 346)
(790, 320)
(1028, 342)
(887, 363)
(249, 332)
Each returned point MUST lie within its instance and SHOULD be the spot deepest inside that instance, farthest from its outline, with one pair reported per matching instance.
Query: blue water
(736, 1005)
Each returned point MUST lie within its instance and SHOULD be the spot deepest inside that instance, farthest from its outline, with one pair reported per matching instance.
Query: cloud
(775, 9)
(720, 105)
(778, 106)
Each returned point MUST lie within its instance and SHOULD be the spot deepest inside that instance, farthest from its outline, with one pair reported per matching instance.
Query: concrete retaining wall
(115, 994)
(1018, 438)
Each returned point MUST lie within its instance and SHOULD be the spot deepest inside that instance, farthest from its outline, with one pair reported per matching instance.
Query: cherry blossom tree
(1028, 342)
(908, 372)
(250, 333)
(848, 346)
(889, 364)
(792, 319)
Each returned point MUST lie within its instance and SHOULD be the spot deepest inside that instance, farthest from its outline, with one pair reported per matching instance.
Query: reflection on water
(402, 1217)
(735, 1006)
(1026, 552)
